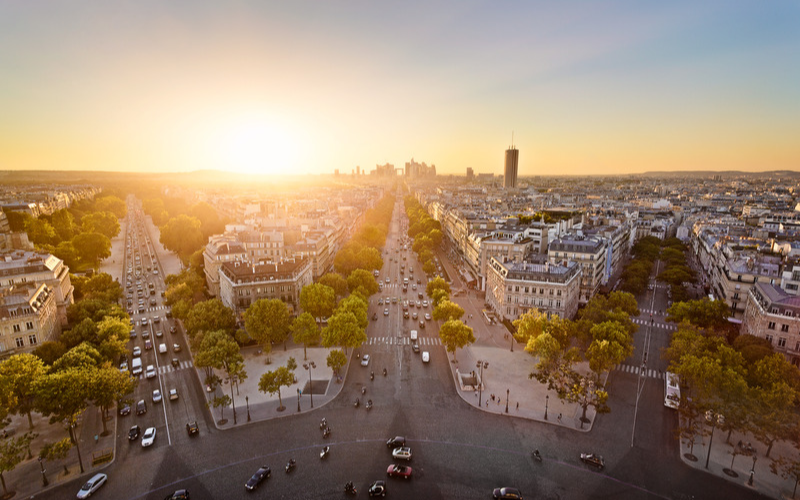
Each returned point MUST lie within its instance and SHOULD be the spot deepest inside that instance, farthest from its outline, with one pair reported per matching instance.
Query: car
(380, 301)
(156, 396)
(422, 323)
(162, 348)
(146, 333)
(414, 315)
(403, 453)
(419, 303)
(123, 367)
(156, 319)
(374, 316)
(419, 282)
(413, 286)
(507, 494)
(175, 362)
(394, 300)
(377, 489)
(159, 333)
(133, 333)
(427, 317)
(405, 314)
(148, 345)
(137, 351)
(403, 471)
(396, 442)
(152, 301)
(178, 495)
(426, 356)
(592, 459)
(141, 407)
(173, 394)
(176, 348)
(149, 437)
(365, 360)
(424, 303)
(172, 329)
(261, 474)
(386, 312)
(150, 372)
(192, 428)
(415, 347)
(144, 321)
(92, 485)
(124, 409)
(133, 434)
(388, 280)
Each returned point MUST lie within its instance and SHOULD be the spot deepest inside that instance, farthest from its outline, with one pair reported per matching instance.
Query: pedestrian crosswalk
(183, 365)
(656, 324)
(636, 369)
(650, 311)
(403, 341)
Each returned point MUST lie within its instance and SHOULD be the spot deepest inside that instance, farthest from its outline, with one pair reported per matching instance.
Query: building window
(781, 342)
(29, 325)
(32, 339)
(20, 342)
(769, 338)
(16, 328)
(771, 325)
(784, 328)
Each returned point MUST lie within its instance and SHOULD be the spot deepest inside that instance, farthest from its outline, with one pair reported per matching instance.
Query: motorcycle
(290, 465)
(324, 453)
(349, 488)
(536, 455)
(358, 402)
(326, 432)
(323, 423)
(372, 375)
(369, 405)
(363, 390)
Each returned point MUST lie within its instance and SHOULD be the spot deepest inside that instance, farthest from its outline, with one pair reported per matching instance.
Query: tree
(39, 231)
(703, 313)
(438, 296)
(774, 383)
(210, 315)
(218, 350)
(428, 267)
(62, 395)
(272, 381)
(50, 351)
(104, 223)
(210, 222)
(447, 310)
(586, 390)
(182, 235)
(111, 204)
(318, 300)
(363, 280)
(66, 252)
(343, 330)
(109, 385)
(64, 225)
(611, 344)
(18, 376)
(112, 338)
(12, 453)
(56, 451)
(356, 305)
(336, 360)
(335, 281)
(100, 286)
(82, 356)
(95, 310)
(267, 321)
(221, 402)
(92, 247)
(305, 331)
(788, 467)
(455, 335)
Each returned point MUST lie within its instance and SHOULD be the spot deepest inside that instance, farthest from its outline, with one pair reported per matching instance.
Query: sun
(257, 146)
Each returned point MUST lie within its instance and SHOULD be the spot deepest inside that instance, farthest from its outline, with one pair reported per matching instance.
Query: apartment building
(514, 288)
(590, 253)
(21, 267)
(28, 317)
(774, 315)
(220, 249)
(241, 284)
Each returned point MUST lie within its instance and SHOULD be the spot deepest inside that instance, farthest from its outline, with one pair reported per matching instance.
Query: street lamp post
(507, 392)
(44, 477)
(712, 418)
(298, 400)
(546, 402)
(752, 470)
(481, 365)
(308, 366)
(247, 402)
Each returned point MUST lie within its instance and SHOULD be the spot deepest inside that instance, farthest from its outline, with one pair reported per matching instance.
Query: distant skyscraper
(512, 163)
(470, 173)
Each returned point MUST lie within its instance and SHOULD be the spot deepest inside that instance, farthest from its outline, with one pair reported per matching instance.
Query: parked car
(377, 489)
(92, 485)
(149, 437)
(399, 470)
(507, 494)
(133, 434)
(178, 495)
(255, 480)
(403, 453)
(396, 442)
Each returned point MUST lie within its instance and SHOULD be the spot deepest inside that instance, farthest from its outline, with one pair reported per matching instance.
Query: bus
(672, 391)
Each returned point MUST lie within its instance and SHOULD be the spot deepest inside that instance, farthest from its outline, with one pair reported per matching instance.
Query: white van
(162, 348)
(426, 356)
(136, 366)
(413, 335)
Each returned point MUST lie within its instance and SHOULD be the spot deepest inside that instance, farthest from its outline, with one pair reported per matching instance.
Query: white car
(92, 485)
(173, 394)
(402, 453)
(148, 437)
(426, 357)
(137, 351)
(386, 312)
(162, 348)
(365, 360)
(156, 396)
(427, 317)
(150, 372)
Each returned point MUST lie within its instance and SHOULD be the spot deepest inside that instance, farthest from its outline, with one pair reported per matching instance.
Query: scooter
(324, 453)
(363, 390)
(290, 465)
(372, 375)
(323, 423)
(326, 432)
(349, 488)
(358, 402)
(369, 405)
(536, 455)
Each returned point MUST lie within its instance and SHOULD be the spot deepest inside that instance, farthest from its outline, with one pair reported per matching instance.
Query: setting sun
(254, 145)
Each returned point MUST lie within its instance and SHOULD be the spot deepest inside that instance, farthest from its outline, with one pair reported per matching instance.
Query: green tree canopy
(455, 335)
(703, 313)
(104, 223)
(335, 281)
(305, 331)
(112, 204)
(336, 360)
(267, 321)
(318, 300)
(99, 286)
(18, 376)
(437, 283)
(92, 247)
(343, 330)
(447, 310)
(210, 315)
(358, 306)
(182, 235)
(109, 385)
(272, 381)
(363, 280)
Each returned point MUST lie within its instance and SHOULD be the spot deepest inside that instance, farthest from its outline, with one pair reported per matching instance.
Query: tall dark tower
(512, 163)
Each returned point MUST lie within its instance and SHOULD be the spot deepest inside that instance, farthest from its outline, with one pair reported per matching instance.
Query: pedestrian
(517, 405)
(559, 418)
(487, 403)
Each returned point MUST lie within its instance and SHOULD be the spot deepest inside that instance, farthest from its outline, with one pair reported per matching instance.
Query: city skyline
(614, 88)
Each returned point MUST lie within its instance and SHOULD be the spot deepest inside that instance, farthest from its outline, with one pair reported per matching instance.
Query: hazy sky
(299, 86)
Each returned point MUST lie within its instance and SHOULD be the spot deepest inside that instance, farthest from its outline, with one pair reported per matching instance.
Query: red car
(403, 471)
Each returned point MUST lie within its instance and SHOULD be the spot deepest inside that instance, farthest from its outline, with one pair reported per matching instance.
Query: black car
(262, 473)
(377, 489)
(178, 495)
(592, 459)
(125, 409)
(396, 442)
(133, 434)
(507, 493)
(141, 407)
(192, 428)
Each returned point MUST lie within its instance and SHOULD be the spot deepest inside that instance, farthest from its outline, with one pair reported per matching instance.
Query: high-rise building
(512, 163)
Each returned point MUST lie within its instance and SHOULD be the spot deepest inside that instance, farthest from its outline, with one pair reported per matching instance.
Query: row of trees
(426, 233)
(600, 337)
(740, 386)
(363, 251)
(80, 236)
(184, 228)
(646, 251)
(453, 332)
